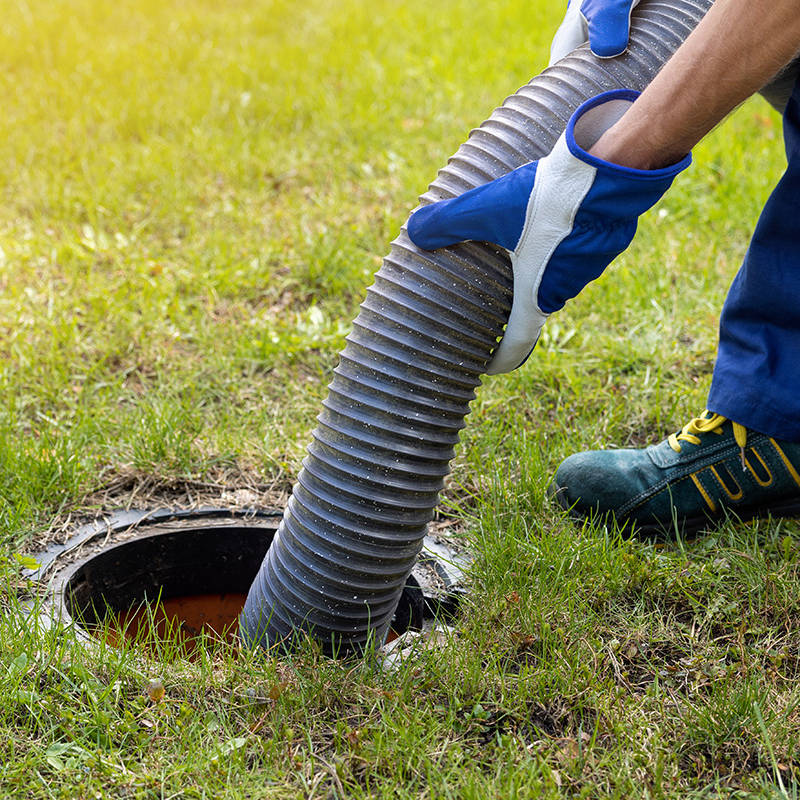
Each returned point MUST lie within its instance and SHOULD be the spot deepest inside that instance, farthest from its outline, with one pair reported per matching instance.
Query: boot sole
(687, 526)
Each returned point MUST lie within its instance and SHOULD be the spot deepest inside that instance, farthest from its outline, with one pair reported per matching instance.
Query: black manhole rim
(168, 553)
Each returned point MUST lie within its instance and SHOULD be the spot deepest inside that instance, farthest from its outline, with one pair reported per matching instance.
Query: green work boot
(694, 477)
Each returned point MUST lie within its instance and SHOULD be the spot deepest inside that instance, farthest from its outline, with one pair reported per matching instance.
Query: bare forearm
(737, 48)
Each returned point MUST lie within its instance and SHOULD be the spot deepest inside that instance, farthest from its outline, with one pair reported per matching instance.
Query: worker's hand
(605, 24)
(563, 219)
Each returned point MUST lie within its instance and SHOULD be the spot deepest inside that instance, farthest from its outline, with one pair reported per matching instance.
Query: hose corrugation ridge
(340, 583)
(318, 511)
(319, 474)
(364, 509)
(442, 302)
(375, 379)
(393, 425)
(455, 265)
(406, 422)
(438, 361)
(383, 549)
(410, 368)
(546, 102)
(372, 435)
(340, 587)
(458, 263)
(394, 370)
(376, 480)
(406, 390)
(493, 147)
(436, 305)
(343, 587)
(422, 326)
(497, 161)
(328, 604)
(441, 299)
(314, 606)
(382, 457)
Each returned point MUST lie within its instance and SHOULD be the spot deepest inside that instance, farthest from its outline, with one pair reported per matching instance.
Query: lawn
(194, 198)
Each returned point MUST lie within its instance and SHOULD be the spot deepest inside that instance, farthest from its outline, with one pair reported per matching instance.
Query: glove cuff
(593, 118)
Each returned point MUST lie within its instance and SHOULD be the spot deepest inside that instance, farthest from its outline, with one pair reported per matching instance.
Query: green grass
(194, 197)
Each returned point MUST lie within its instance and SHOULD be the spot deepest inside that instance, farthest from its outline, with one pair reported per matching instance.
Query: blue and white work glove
(605, 24)
(563, 219)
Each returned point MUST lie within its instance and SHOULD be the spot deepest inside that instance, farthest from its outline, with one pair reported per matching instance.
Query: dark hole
(183, 584)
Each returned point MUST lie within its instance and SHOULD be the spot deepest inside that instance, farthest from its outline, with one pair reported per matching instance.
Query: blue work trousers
(756, 378)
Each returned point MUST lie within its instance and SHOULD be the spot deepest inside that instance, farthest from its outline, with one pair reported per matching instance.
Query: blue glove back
(605, 24)
(563, 219)
(609, 24)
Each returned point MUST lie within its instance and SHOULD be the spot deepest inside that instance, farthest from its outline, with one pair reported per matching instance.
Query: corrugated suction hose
(422, 339)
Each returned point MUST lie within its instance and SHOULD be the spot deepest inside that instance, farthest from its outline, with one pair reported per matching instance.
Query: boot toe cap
(597, 482)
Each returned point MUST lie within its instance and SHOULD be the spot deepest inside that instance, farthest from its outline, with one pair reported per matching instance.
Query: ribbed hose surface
(400, 394)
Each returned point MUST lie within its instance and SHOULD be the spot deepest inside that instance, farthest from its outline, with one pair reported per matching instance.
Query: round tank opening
(183, 586)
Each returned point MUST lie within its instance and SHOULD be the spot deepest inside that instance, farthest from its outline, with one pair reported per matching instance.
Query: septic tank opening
(184, 580)
(151, 573)
(168, 584)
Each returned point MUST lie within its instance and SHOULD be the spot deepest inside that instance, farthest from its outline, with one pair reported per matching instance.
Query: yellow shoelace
(707, 423)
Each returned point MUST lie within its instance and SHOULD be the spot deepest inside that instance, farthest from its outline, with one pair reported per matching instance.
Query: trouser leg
(756, 379)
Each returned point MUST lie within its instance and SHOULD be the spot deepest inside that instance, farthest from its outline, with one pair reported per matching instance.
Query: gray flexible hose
(422, 339)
